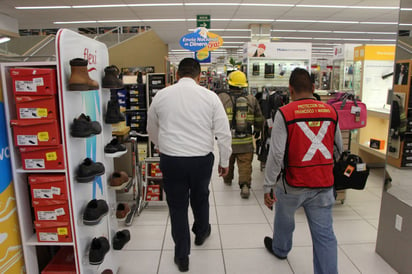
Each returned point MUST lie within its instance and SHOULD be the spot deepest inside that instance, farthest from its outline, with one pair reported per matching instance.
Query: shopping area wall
(146, 49)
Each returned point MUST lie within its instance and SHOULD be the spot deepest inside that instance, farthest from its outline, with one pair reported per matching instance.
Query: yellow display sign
(43, 136)
(374, 52)
(51, 156)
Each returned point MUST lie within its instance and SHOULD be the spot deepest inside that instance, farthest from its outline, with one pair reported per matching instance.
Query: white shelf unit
(75, 150)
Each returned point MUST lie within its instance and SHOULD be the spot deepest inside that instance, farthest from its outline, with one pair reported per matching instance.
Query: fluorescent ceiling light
(346, 7)
(224, 42)
(379, 23)
(406, 9)
(4, 39)
(283, 30)
(242, 20)
(74, 22)
(42, 7)
(363, 32)
(235, 37)
(293, 38)
(321, 48)
(266, 5)
(405, 24)
(224, 30)
(316, 21)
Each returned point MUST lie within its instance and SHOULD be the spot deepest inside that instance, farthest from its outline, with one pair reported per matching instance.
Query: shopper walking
(183, 121)
(245, 119)
(304, 135)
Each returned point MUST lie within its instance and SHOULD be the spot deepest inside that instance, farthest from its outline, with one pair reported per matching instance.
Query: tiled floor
(239, 226)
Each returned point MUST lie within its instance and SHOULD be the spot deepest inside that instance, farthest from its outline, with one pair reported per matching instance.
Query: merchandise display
(119, 180)
(120, 239)
(80, 79)
(111, 78)
(115, 148)
(83, 127)
(269, 70)
(95, 211)
(88, 170)
(122, 210)
(113, 114)
(98, 250)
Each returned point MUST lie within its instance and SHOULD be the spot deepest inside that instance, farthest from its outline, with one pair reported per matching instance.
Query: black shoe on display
(99, 248)
(120, 239)
(268, 244)
(111, 78)
(199, 240)
(95, 211)
(83, 127)
(115, 148)
(113, 114)
(182, 264)
(88, 170)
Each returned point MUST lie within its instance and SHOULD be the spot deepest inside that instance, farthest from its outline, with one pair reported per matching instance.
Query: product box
(152, 197)
(377, 143)
(43, 132)
(137, 105)
(46, 187)
(155, 170)
(53, 231)
(153, 189)
(34, 81)
(62, 263)
(37, 158)
(52, 210)
(36, 107)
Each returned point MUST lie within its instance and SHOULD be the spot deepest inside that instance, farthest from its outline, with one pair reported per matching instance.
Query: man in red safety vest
(305, 136)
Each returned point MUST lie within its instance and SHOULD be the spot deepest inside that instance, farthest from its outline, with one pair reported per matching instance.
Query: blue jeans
(317, 204)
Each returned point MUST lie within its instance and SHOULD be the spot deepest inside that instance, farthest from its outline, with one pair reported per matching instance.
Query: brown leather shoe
(79, 78)
(119, 180)
(122, 210)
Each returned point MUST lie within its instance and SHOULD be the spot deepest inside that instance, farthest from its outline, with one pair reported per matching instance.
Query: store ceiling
(331, 22)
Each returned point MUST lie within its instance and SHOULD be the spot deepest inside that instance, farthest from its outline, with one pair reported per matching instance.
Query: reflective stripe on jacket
(311, 129)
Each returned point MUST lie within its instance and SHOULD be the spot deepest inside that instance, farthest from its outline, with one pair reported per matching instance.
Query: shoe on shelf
(268, 244)
(182, 264)
(113, 114)
(111, 78)
(122, 210)
(115, 148)
(199, 240)
(107, 271)
(120, 239)
(119, 180)
(79, 78)
(98, 249)
(95, 211)
(245, 192)
(84, 127)
(88, 170)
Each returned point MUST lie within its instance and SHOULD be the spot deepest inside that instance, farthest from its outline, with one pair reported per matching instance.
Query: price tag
(355, 110)
(42, 112)
(361, 167)
(46, 215)
(60, 211)
(56, 190)
(27, 140)
(62, 231)
(42, 194)
(43, 136)
(51, 156)
(48, 237)
(38, 81)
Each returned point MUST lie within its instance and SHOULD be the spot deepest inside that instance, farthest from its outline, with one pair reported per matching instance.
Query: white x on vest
(316, 140)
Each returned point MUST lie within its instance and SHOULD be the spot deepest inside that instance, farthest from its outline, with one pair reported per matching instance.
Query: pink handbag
(352, 114)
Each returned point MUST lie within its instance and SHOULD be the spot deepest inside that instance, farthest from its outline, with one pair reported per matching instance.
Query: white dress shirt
(185, 118)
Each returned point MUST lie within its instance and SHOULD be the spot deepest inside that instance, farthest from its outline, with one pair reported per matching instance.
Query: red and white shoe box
(44, 132)
(34, 81)
(38, 158)
(62, 262)
(53, 231)
(36, 107)
(47, 187)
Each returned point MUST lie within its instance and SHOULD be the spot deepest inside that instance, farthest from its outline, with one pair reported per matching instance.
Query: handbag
(350, 172)
(351, 113)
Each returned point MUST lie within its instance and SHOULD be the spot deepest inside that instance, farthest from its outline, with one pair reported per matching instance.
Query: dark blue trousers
(187, 179)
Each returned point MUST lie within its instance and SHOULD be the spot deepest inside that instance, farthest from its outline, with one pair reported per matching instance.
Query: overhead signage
(203, 56)
(203, 21)
(201, 39)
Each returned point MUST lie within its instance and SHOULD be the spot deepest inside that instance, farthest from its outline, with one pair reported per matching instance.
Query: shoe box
(43, 132)
(34, 81)
(137, 120)
(52, 211)
(53, 231)
(142, 151)
(38, 158)
(46, 187)
(155, 170)
(62, 262)
(153, 193)
(36, 107)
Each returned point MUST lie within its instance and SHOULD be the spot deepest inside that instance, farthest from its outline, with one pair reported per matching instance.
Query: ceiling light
(344, 7)
(4, 39)
(266, 5)
(364, 32)
(235, 37)
(283, 30)
(406, 9)
(224, 30)
(379, 23)
(242, 20)
(224, 42)
(75, 22)
(319, 31)
(293, 38)
(42, 7)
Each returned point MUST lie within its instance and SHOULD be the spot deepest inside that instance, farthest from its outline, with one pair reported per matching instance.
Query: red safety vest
(311, 128)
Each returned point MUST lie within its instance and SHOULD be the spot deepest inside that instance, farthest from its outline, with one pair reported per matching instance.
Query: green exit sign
(203, 21)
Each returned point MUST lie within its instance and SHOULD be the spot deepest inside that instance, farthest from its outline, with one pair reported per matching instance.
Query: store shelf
(382, 113)
(20, 170)
(378, 153)
(34, 242)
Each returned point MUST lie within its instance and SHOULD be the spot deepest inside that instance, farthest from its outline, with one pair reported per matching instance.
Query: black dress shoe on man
(199, 240)
(268, 245)
(182, 264)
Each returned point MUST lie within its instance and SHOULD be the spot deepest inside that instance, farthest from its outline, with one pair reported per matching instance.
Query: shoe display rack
(57, 175)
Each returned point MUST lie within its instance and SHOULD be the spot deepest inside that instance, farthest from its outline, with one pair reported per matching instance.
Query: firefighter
(246, 121)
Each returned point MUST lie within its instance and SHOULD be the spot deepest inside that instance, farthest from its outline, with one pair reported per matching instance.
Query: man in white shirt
(183, 122)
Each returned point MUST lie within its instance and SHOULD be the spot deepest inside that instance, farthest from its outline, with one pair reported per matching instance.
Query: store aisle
(238, 227)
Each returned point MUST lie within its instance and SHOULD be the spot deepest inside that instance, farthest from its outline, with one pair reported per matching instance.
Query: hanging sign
(201, 39)
(203, 21)
(203, 56)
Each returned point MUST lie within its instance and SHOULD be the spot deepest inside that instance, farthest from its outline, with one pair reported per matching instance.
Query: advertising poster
(11, 253)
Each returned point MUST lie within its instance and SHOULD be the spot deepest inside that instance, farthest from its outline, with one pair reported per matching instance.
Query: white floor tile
(212, 242)
(146, 238)
(354, 231)
(252, 214)
(345, 212)
(200, 262)
(233, 198)
(139, 262)
(153, 215)
(247, 261)
(366, 259)
(244, 236)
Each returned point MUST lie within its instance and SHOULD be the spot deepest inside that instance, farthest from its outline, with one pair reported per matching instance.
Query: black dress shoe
(268, 245)
(182, 264)
(199, 240)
